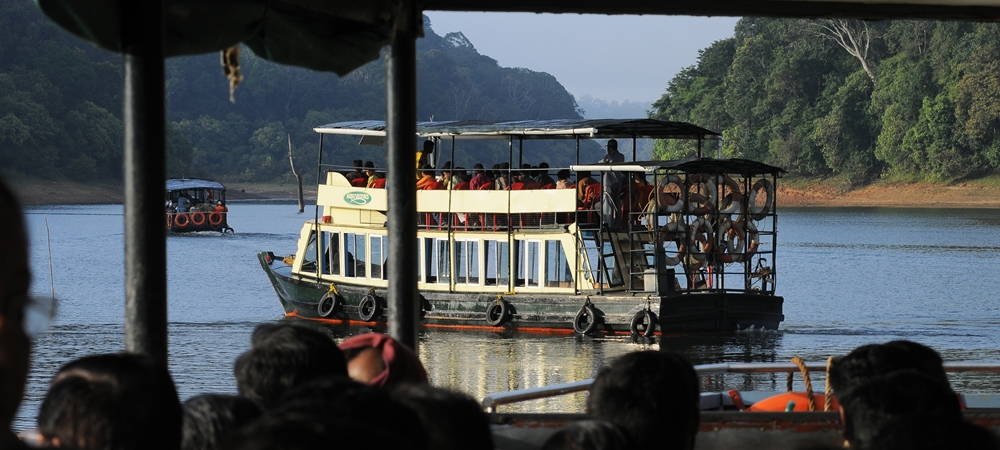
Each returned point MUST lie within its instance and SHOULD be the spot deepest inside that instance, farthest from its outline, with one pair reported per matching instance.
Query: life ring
(181, 220)
(170, 220)
(329, 305)
(737, 240)
(369, 308)
(197, 218)
(736, 196)
(698, 250)
(498, 313)
(779, 403)
(768, 188)
(665, 199)
(643, 323)
(215, 218)
(586, 320)
(706, 204)
(670, 232)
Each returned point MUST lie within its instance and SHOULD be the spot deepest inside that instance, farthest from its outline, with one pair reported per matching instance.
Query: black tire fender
(587, 319)
(330, 305)
(370, 308)
(643, 323)
(498, 313)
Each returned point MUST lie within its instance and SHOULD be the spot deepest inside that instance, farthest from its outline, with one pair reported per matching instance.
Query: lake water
(850, 276)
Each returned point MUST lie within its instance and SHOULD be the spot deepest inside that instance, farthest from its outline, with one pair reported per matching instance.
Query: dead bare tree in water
(298, 175)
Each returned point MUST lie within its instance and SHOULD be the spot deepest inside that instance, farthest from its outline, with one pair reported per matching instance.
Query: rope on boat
(829, 389)
(788, 383)
(805, 375)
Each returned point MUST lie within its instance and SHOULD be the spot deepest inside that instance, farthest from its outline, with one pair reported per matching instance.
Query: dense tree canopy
(60, 106)
(904, 99)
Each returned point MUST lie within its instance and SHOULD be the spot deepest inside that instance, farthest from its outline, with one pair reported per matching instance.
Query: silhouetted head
(873, 360)
(612, 145)
(588, 435)
(210, 418)
(358, 165)
(117, 401)
(453, 421)
(904, 408)
(652, 395)
(428, 146)
(282, 356)
(563, 174)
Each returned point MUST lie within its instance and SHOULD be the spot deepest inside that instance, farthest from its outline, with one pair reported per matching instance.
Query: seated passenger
(358, 173)
(110, 402)
(479, 177)
(869, 361)
(564, 182)
(427, 178)
(282, 356)
(219, 207)
(543, 175)
(378, 360)
(210, 418)
(372, 175)
(651, 395)
(583, 181)
(501, 177)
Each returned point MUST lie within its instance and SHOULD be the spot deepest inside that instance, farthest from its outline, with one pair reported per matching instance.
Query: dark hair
(478, 168)
(210, 418)
(334, 409)
(282, 356)
(453, 421)
(652, 395)
(358, 164)
(428, 146)
(921, 406)
(427, 170)
(563, 174)
(369, 165)
(588, 435)
(119, 401)
(867, 361)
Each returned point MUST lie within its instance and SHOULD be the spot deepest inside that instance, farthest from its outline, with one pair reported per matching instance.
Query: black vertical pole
(144, 117)
(401, 129)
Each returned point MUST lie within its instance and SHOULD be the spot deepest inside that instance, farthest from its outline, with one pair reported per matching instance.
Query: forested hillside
(906, 100)
(60, 106)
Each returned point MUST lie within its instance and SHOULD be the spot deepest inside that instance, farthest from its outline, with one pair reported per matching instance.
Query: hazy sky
(608, 57)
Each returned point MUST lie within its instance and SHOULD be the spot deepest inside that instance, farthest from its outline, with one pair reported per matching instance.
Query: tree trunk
(298, 175)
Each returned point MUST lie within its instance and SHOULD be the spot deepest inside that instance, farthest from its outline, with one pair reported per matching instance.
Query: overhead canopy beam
(934, 9)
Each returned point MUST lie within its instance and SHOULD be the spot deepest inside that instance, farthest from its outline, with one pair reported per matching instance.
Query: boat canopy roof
(744, 167)
(534, 129)
(180, 184)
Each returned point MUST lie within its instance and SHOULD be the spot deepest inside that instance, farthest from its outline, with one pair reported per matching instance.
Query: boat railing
(490, 402)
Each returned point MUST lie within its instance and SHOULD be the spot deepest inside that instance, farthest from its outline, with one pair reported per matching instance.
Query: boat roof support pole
(633, 147)
(144, 119)
(401, 126)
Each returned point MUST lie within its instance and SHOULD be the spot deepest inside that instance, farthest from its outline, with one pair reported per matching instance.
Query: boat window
(309, 258)
(331, 253)
(355, 262)
(443, 261)
(467, 262)
(527, 254)
(497, 263)
(557, 273)
(377, 252)
(427, 251)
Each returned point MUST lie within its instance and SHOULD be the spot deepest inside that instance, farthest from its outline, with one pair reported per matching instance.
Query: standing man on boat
(611, 184)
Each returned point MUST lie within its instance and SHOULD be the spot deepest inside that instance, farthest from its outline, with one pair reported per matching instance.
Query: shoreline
(790, 194)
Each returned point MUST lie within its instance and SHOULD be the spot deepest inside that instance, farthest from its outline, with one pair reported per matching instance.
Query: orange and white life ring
(672, 231)
(198, 218)
(758, 213)
(215, 218)
(735, 196)
(701, 183)
(670, 200)
(698, 248)
(738, 239)
(181, 220)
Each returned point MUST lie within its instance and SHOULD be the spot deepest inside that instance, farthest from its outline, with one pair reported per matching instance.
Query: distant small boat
(196, 205)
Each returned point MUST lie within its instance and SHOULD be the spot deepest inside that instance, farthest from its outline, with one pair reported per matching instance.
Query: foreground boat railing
(492, 401)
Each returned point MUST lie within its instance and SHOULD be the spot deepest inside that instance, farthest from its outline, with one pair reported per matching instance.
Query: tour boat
(692, 250)
(196, 205)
